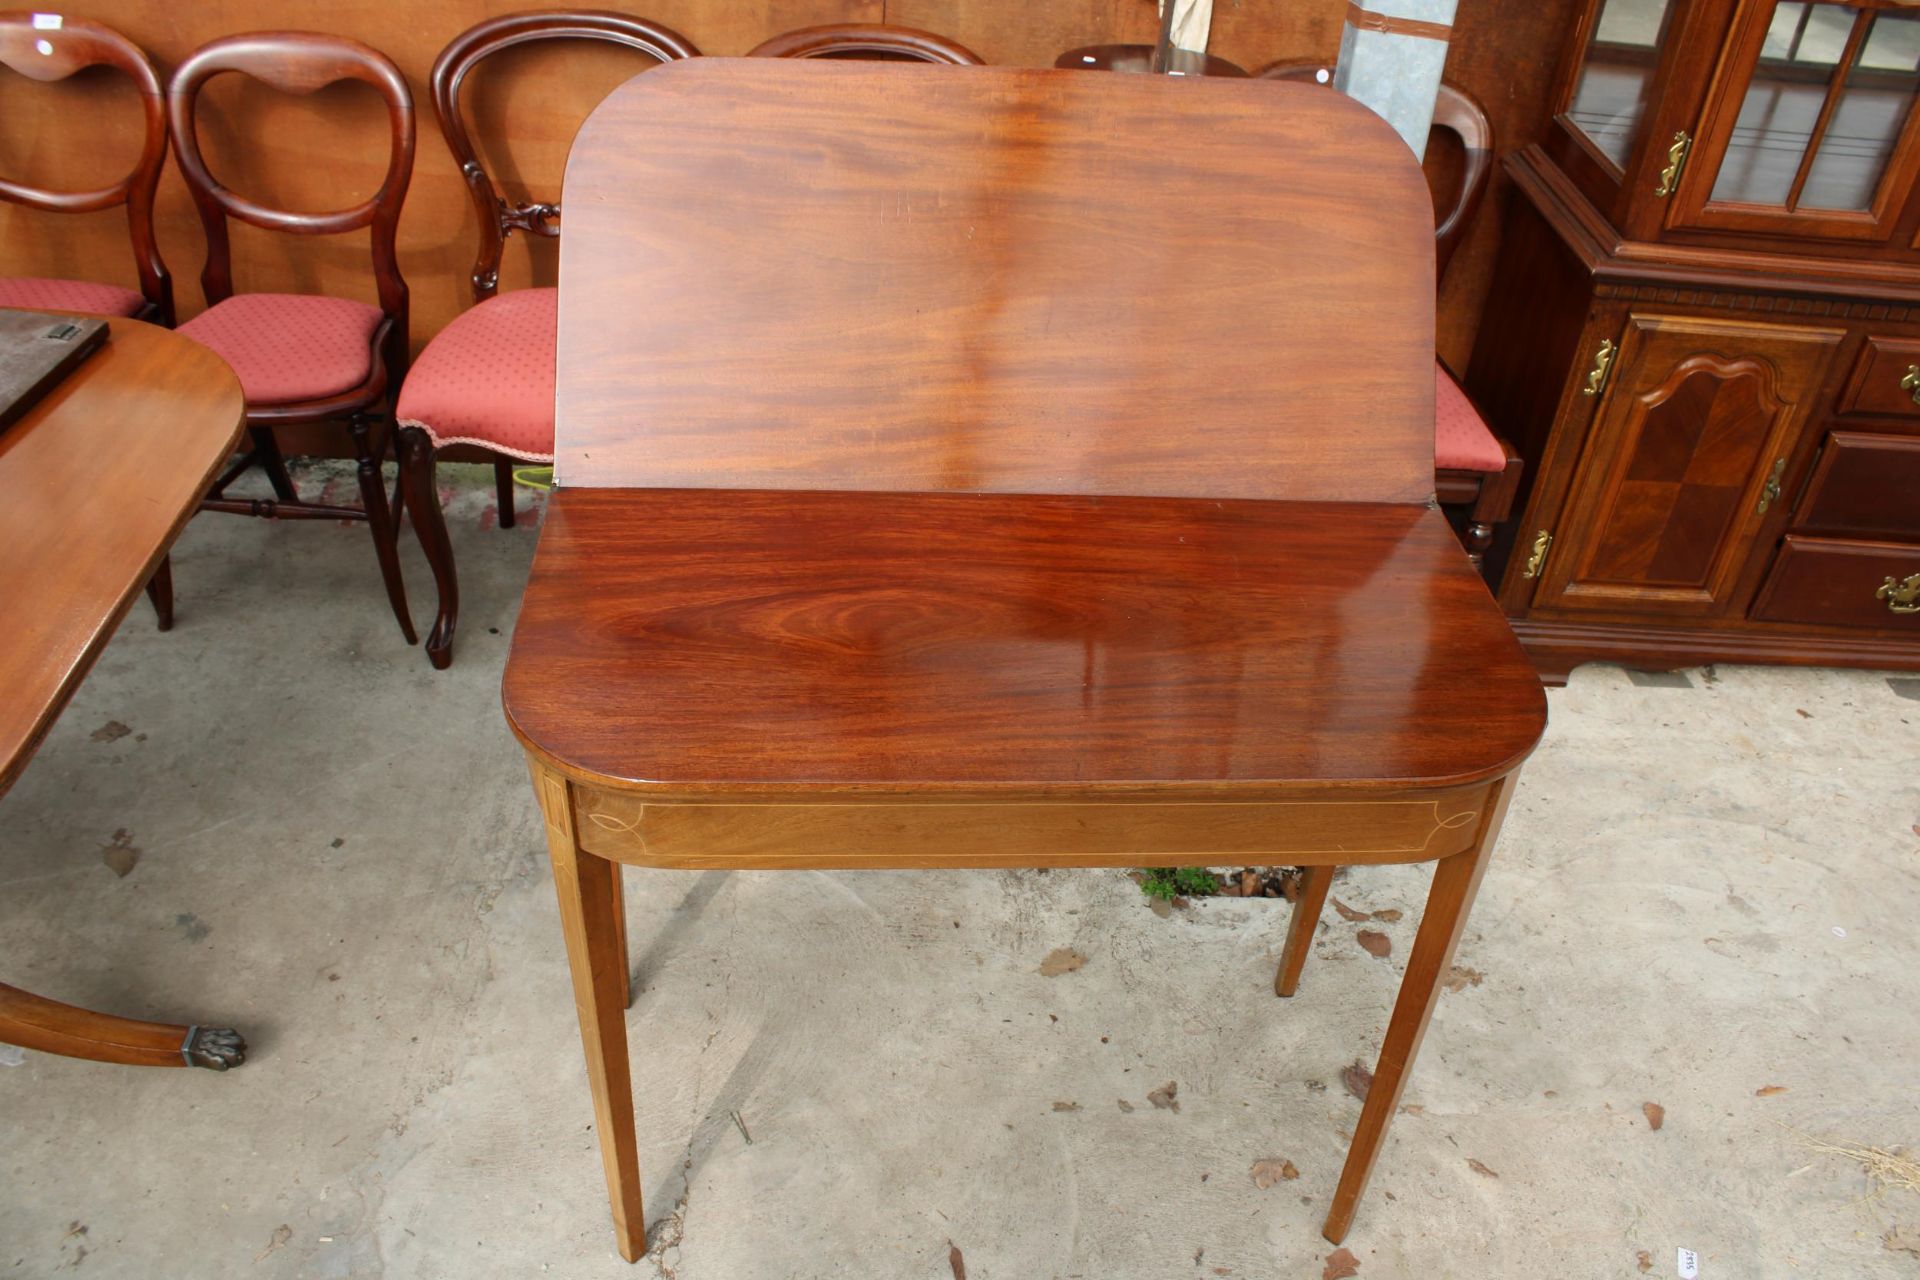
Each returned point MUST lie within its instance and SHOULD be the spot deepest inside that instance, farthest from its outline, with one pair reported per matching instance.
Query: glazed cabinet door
(1810, 127)
(1684, 465)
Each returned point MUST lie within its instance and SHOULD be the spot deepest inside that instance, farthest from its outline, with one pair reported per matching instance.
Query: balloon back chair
(304, 358)
(41, 50)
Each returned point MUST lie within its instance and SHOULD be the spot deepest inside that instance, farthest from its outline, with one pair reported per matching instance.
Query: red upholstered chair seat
(1461, 440)
(290, 347)
(488, 377)
(37, 294)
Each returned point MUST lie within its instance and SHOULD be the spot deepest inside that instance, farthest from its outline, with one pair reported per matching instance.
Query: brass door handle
(1676, 161)
(1911, 383)
(1538, 558)
(1603, 361)
(1770, 491)
(1901, 597)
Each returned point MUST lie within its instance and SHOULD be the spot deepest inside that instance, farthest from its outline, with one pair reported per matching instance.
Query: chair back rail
(1457, 110)
(946, 280)
(499, 219)
(35, 48)
(297, 62)
(867, 40)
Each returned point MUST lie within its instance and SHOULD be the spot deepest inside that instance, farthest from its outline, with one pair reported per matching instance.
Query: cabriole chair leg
(430, 525)
(373, 494)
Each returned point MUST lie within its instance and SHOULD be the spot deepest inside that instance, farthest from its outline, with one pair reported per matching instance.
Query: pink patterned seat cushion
(488, 379)
(36, 294)
(1461, 440)
(290, 347)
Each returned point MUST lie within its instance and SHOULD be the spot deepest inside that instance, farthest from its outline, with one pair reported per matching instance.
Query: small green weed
(1177, 882)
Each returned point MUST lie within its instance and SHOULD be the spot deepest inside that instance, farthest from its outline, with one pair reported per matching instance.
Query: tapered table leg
(1306, 917)
(1456, 879)
(35, 1022)
(589, 891)
(620, 936)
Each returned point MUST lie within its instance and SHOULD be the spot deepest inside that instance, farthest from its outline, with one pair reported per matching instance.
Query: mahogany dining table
(96, 481)
(991, 467)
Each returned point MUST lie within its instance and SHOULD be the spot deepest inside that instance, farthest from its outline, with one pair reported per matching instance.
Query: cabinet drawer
(1829, 582)
(1865, 486)
(1875, 386)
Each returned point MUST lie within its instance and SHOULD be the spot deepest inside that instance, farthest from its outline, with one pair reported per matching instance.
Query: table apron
(912, 832)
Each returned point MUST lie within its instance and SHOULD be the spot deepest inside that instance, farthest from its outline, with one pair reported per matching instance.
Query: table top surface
(1002, 431)
(809, 274)
(95, 481)
(745, 641)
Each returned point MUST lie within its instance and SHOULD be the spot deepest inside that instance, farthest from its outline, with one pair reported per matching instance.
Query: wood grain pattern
(1504, 52)
(1558, 645)
(1866, 485)
(953, 641)
(965, 324)
(774, 832)
(1831, 582)
(1455, 112)
(99, 477)
(1876, 387)
(1696, 416)
(48, 1026)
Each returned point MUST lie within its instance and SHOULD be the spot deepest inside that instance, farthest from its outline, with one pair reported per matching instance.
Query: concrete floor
(1706, 899)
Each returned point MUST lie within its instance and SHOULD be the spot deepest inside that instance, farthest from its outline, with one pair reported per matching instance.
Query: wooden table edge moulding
(1008, 468)
(96, 482)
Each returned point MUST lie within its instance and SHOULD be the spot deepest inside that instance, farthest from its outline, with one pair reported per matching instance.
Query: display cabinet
(1704, 337)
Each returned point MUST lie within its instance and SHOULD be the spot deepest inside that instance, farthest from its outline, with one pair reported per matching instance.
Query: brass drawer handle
(1911, 383)
(1901, 597)
(1770, 491)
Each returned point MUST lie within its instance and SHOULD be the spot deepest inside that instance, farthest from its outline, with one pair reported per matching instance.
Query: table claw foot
(215, 1048)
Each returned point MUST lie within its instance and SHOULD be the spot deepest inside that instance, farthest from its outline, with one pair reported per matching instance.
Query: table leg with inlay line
(1456, 881)
(592, 921)
(592, 831)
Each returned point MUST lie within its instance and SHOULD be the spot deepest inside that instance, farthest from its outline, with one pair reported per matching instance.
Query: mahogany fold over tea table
(1001, 468)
